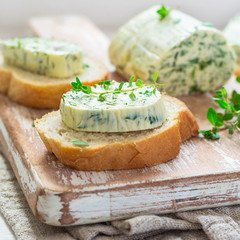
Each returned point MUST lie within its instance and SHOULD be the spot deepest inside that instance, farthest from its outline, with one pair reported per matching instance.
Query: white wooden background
(112, 13)
(108, 14)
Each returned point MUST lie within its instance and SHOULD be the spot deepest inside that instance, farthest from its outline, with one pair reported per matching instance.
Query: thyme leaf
(78, 86)
(163, 12)
(229, 119)
(132, 96)
(131, 81)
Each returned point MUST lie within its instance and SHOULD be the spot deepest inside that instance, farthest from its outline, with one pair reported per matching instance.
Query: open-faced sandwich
(116, 126)
(36, 72)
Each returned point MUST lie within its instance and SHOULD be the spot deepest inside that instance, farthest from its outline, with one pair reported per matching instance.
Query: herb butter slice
(189, 55)
(113, 107)
(49, 57)
(232, 33)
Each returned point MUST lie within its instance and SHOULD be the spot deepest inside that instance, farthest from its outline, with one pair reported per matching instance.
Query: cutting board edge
(28, 183)
(99, 206)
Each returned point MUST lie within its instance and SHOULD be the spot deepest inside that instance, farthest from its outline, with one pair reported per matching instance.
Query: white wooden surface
(112, 14)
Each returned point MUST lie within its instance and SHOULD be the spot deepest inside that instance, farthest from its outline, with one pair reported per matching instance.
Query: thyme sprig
(163, 12)
(78, 86)
(228, 119)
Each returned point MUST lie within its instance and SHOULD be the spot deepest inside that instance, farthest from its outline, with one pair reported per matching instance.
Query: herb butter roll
(232, 33)
(36, 72)
(49, 57)
(113, 107)
(189, 55)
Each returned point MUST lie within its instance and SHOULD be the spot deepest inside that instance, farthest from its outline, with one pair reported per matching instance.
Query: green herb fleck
(86, 66)
(155, 76)
(19, 43)
(120, 86)
(33, 124)
(177, 21)
(132, 96)
(105, 82)
(131, 117)
(139, 83)
(131, 81)
(89, 90)
(154, 90)
(209, 134)
(229, 119)
(80, 143)
(101, 97)
(163, 12)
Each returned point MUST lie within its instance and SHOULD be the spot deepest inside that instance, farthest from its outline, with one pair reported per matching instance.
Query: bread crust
(156, 148)
(34, 93)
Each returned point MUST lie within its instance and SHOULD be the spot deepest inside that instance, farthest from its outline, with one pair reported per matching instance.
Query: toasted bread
(34, 90)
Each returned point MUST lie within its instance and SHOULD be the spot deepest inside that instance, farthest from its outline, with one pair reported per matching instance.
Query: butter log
(189, 55)
(49, 57)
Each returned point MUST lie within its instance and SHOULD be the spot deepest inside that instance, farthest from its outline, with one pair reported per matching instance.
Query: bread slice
(119, 150)
(34, 90)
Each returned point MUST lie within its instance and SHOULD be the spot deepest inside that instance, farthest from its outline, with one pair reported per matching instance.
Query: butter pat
(116, 112)
(49, 57)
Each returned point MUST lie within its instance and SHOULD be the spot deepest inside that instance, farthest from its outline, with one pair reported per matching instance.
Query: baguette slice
(34, 90)
(119, 150)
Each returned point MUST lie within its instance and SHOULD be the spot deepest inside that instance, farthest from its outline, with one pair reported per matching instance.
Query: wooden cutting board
(204, 174)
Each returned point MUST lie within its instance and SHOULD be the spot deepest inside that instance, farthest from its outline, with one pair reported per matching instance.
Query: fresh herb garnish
(77, 86)
(131, 81)
(132, 96)
(177, 21)
(210, 134)
(33, 124)
(86, 65)
(105, 82)
(19, 43)
(163, 12)
(101, 97)
(139, 83)
(229, 118)
(238, 79)
(120, 86)
(89, 89)
(154, 78)
(80, 143)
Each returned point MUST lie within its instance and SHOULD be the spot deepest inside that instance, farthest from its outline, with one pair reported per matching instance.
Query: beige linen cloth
(219, 223)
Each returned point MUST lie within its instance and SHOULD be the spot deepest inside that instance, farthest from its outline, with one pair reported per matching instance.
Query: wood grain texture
(204, 174)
